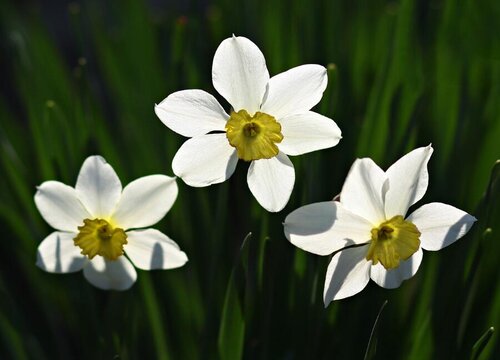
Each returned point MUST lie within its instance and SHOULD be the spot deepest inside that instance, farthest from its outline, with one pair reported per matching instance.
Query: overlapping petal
(391, 279)
(145, 201)
(59, 206)
(408, 180)
(271, 181)
(363, 190)
(295, 91)
(192, 113)
(151, 249)
(306, 132)
(239, 73)
(348, 273)
(205, 160)
(57, 253)
(440, 225)
(118, 274)
(325, 227)
(98, 187)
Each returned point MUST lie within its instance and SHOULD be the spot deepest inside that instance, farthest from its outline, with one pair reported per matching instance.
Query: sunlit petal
(325, 227)
(440, 224)
(57, 253)
(151, 249)
(239, 73)
(110, 275)
(348, 273)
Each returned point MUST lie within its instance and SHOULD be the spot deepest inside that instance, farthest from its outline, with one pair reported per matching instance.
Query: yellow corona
(254, 137)
(393, 241)
(99, 237)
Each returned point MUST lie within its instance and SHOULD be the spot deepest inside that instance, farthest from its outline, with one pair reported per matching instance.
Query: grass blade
(232, 329)
(371, 348)
(479, 346)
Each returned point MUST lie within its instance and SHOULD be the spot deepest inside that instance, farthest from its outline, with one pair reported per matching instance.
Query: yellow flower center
(392, 241)
(254, 137)
(98, 237)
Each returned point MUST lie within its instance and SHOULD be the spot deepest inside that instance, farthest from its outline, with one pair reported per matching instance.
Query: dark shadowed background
(81, 78)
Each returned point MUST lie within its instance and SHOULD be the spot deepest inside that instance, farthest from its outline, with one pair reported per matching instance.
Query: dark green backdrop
(82, 78)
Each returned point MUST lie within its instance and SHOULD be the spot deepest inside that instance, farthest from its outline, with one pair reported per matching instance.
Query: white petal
(271, 181)
(145, 201)
(325, 227)
(98, 187)
(295, 91)
(440, 225)
(205, 160)
(58, 254)
(303, 133)
(362, 192)
(408, 179)
(347, 274)
(192, 113)
(151, 249)
(391, 279)
(60, 207)
(239, 73)
(110, 275)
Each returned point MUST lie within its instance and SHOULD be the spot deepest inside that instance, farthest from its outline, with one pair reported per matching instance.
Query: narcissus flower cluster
(102, 229)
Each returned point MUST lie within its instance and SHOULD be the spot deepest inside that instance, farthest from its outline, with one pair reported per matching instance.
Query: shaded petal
(98, 187)
(145, 201)
(110, 275)
(295, 91)
(303, 133)
(271, 181)
(391, 279)
(440, 225)
(362, 192)
(60, 207)
(347, 274)
(205, 160)
(239, 73)
(192, 113)
(57, 253)
(408, 179)
(325, 227)
(151, 249)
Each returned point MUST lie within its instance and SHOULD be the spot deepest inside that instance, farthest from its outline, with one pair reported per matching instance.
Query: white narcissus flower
(371, 215)
(96, 226)
(270, 119)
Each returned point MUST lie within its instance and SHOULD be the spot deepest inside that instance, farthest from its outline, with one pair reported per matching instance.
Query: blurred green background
(81, 78)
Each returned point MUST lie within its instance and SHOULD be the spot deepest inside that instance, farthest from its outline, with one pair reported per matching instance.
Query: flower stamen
(254, 137)
(98, 237)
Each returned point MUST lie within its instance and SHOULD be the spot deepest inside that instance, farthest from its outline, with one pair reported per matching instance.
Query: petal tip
(185, 258)
(98, 158)
(274, 209)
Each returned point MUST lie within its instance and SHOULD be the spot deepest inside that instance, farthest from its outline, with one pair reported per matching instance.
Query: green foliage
(83, 79)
